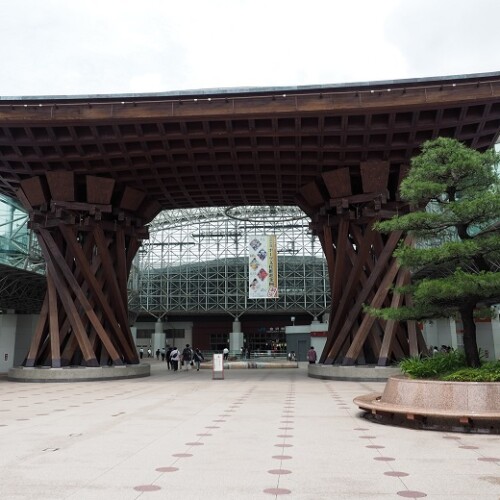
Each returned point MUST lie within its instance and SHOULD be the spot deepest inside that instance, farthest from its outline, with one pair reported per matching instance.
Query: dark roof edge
(236, 91)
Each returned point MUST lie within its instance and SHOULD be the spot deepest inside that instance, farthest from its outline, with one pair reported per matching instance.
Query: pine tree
(455, 262)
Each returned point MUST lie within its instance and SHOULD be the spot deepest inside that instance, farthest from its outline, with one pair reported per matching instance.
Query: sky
(74, 47)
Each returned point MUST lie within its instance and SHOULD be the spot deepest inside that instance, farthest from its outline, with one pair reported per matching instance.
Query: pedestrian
(187, 356)
(225, 353)
(149, 352)
(141, 352)
(311, 356)
(242, 353)
(175, 356)
(169, 352)
(158, 354)
(163, 354)
(198, 358)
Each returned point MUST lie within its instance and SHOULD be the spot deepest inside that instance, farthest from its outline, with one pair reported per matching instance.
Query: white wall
(448, 332)
(16, 331)
(7, 341)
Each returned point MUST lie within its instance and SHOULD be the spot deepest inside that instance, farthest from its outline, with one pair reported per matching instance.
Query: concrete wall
(306, 335)
(158, 341)
(8, 325)
(447, 331)
(16, 331)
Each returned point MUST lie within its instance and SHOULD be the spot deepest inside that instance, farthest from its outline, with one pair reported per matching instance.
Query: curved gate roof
(255, 146)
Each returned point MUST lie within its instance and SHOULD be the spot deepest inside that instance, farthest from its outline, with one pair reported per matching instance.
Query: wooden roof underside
(249, 148)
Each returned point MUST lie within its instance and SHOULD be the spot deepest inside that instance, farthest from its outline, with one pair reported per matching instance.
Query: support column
(158, 337)
(89, 232)
(344, 204)
(236, 338)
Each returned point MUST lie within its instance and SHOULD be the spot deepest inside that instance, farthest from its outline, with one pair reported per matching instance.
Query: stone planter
(465, 406)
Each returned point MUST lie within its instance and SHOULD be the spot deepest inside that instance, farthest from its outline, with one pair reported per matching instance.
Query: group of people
(434, 349)
(141, 353)
(177, 359)
(184, 360)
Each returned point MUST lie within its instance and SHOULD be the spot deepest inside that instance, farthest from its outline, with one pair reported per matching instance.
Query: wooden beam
(93, 285)
(37, 339)
(55, 346)
(69, 306)
(363, 330)
(355, 310)
(52, 251)
(329, 353)
(390, 328)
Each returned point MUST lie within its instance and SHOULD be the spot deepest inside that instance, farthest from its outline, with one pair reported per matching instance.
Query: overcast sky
(62, 47)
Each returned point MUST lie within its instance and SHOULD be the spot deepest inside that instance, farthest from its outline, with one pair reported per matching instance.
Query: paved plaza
(262, 433)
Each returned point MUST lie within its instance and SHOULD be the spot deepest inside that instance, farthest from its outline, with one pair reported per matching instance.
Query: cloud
(111, 46)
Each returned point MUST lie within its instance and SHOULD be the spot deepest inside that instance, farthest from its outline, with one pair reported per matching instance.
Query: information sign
(217, 367)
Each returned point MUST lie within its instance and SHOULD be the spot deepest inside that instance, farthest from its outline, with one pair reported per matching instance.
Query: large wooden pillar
(343, 205)
(89, 232)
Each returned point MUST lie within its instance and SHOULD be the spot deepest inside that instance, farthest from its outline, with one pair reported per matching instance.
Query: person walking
(225, 353)
(311, 356)
(175, 356)
(198, 358)
(157, 354)
(141, 352)
(163, 354)
(187, 356)
(169, 352)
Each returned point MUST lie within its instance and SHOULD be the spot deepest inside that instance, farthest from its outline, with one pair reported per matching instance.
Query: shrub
(450, 366)
(489, 372)
(437, 366)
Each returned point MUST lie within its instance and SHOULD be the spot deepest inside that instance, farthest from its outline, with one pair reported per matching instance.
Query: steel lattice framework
(21, 289)
(195, 262)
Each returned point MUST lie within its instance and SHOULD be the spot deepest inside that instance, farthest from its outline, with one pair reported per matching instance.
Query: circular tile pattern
(147, 487)
(182, 455)
(286, 422)
(367, 437)
(167, 469)
(212, 427)
(279, 471)
(484, 459)
(411, 494)
(285, 428)
(396, 473)
(204, 434)
(360, 429)
(218, 420)
(452, 437)
(277, 491)
(285, 436)
(282, 457)
(384, 459)
(283, 445)
(195, 443)
(375, 446)
(469, 447)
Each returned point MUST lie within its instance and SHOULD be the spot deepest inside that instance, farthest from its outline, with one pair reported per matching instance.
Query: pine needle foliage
(456, 262)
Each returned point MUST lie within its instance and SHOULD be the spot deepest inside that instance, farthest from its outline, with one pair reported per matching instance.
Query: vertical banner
(263, 267)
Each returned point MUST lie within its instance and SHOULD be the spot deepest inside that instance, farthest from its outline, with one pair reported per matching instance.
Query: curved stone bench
(466, 403)
(78, 373)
